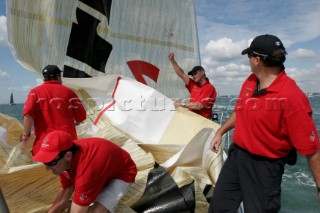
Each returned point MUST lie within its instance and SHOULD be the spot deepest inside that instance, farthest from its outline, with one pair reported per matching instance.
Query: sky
(225, 28)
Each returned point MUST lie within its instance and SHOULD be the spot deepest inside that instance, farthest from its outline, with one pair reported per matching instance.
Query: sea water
(298, 187)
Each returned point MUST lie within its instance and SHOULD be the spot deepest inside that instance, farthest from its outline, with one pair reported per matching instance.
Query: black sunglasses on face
(196, 72)
(255, 54)
(55, 161)
(252, 55)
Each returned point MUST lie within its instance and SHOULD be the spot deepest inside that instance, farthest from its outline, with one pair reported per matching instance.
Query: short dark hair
(48, 78)
(277, 59)
(72, 149)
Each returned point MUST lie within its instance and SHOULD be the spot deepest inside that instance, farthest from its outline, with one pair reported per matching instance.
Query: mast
(196, 26)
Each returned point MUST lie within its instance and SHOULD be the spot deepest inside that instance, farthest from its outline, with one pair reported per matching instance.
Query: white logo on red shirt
(83, 197)
(312, 136)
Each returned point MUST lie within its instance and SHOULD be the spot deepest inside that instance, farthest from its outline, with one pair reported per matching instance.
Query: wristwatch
(318, 189)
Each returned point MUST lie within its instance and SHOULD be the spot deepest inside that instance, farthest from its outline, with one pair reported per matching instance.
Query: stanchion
(3, 204)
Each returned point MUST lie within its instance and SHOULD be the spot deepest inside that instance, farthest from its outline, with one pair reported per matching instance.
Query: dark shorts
(247, 178)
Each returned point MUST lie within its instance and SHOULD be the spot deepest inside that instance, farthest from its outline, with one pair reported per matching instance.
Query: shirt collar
(275, 86)
(278, 83)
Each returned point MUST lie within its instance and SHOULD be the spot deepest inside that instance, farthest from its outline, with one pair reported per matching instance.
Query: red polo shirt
(53, 106)
(205, 94)
(96, 163)
(269, 124)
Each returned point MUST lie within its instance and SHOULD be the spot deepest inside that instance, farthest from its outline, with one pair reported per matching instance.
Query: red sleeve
(302, 132)
(78, 111)
(30, 105)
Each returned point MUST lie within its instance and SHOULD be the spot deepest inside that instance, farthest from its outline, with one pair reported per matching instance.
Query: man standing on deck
(202, 92)
(272, 119)
(49, 107)
(94, 171)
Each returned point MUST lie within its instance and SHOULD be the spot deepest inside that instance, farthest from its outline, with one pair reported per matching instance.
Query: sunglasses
(55, 161)
(196, 72)
(255, 54)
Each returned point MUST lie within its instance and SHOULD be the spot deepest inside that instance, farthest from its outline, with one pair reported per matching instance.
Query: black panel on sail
(85, 45)
(103, 6)
(163, 195)
(70, 72)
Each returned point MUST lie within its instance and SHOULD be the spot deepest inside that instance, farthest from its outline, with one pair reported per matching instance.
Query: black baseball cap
(264, 45)
(51, 71)
(195, 69)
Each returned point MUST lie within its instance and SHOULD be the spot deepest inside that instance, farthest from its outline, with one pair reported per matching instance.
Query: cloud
(26, 88)
(39, 81)
(3, 30)
(307, 79)
(4, 74)
(225, 49)
(303, 53)
(228, 78)
(13, 88)
(239, 19)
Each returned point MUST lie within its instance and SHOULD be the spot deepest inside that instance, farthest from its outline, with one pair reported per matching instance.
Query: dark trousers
(253, 179)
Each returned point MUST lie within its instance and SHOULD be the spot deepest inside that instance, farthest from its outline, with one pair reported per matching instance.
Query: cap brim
(246, 51)
(45, 157)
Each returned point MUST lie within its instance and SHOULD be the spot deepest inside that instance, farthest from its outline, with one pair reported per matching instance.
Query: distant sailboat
(11, 100)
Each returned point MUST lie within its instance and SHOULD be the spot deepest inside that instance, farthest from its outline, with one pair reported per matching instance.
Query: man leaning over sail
(94, 171)
(202, 92)
(51, 106)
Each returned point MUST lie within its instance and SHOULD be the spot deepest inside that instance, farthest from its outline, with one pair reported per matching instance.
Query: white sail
(127, 37)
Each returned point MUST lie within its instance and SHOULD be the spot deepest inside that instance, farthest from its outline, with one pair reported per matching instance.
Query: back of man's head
(51, 72)
(269, 48)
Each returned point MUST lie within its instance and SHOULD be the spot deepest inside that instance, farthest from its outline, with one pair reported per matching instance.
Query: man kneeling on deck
(96, 171)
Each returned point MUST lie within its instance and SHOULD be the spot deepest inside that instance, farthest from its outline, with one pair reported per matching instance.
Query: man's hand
(23, 139)
(178, 104)
(215, 143)
(26, 141)
(171, 56)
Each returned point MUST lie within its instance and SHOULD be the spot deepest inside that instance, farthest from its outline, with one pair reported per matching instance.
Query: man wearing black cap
(272, 119)
(202, 92)
(51, 106)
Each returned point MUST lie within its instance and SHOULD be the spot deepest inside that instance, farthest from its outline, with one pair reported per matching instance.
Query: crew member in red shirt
(202, 92)
(272, 119)
(51, 106)
(96, 171)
